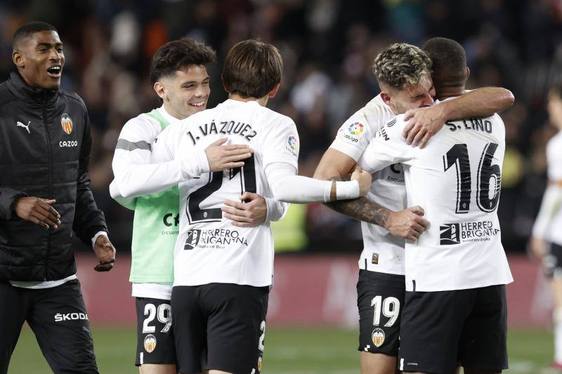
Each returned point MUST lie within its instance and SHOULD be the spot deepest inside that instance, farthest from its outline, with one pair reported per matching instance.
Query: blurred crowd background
(328, 47)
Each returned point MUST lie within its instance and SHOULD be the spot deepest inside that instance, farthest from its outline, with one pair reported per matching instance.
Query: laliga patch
(260, 363)
(293, 145)
(150, 343)
(66, 123)
(356, 129)
(378, 336)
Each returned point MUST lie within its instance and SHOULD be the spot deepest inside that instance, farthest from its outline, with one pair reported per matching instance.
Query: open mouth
(55, 71)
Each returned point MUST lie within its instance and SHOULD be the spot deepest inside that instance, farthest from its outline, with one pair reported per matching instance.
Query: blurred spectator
(328, 47)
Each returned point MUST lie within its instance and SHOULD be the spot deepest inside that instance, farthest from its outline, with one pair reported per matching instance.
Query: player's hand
(408, 224)
(363, 178)
(422, 124)
(105, 252)
(39, 211)
(223, 156)
(538, 247)
(251, 212)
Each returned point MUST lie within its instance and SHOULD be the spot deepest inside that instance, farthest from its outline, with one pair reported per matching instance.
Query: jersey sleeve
(353, 137)
(387, 147)
(281, 144)
(135, 173)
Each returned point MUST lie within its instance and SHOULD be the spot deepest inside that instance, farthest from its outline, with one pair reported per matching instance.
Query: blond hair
(401, 65)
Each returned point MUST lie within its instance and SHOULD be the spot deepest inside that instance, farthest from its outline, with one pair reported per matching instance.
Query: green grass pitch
(287, 351)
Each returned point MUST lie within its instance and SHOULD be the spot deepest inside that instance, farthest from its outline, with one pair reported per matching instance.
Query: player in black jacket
(45, 197)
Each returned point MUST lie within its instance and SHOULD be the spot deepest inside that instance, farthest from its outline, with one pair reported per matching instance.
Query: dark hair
(449, 61)
(178, 54)
(252, 69)
(30, 28)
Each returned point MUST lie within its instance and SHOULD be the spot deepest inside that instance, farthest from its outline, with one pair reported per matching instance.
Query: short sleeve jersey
(382, 252)
(210, 249)
(456, 179)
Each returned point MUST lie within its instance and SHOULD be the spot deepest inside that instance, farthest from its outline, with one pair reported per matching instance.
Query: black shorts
(553, 261)
(59, 320)
(442, 330)
(219, 326)
(379, 299)
(155, 337)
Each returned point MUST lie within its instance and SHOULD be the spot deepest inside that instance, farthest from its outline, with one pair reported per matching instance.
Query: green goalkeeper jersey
(155, 229)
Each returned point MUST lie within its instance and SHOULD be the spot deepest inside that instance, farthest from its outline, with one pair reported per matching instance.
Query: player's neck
(447, 92)
(262, 100)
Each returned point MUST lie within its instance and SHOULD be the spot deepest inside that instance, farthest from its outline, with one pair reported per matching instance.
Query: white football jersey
(554, 160)
(210, 249)
(382, 252)
(456, 179)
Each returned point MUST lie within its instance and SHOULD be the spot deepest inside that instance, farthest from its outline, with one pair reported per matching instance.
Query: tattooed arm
(407, 224)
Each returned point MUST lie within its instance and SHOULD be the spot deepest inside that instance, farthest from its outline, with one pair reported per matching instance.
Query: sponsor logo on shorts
(150, 343)
(456, 233)
(378, 336)
(61, 317)
(214, 238)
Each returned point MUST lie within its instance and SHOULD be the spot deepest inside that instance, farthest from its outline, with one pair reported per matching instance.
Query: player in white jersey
(179, 75)
(222, 273)
(546, 242)
(455, 309)
(403, 73)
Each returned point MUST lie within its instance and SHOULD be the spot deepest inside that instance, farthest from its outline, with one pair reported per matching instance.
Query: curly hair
(178, 54)
(401, 65)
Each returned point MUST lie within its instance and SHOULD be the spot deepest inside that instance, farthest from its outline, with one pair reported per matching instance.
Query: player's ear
(385, 97)
(159, 89)
(274, 90)
(466, 73)
(17, 59)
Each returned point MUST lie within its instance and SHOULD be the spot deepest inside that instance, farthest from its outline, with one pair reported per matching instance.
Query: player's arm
(337, 165)
(135, 173)
(551, 204)
(143, 168)
(280, 162)
(287, 186)
(423, 123)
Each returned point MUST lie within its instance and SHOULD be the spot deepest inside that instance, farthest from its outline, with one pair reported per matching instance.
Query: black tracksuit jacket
(44, 151)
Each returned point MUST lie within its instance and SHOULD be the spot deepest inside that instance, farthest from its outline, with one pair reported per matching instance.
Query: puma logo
(19, 124)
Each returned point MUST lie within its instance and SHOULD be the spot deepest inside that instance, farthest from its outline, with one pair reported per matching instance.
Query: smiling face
(39, 58)
(185, 92)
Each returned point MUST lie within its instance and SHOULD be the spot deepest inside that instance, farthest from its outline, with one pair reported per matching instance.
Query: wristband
(347, 190)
